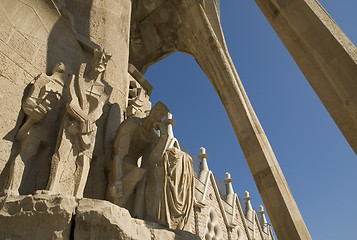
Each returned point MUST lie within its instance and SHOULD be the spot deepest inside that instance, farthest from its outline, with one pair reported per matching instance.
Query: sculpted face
(100, 61)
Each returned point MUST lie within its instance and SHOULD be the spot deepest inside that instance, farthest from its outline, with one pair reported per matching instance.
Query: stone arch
(159, 29)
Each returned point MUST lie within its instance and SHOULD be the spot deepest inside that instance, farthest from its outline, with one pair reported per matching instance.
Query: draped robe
(177, 198)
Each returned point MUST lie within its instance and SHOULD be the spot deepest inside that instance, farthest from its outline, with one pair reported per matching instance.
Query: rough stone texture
(63, 217)
(106, 23)
(102, 220)
(97, 219)
(28, 48)
(49, 34)
(36, 217)
(25, 52)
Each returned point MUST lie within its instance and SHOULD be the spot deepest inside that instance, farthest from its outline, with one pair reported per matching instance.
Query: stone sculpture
(87, 95)
(44, 107)
(142, 33)
(134, 142)
(177, 181)
(138, 102)
(151, 176)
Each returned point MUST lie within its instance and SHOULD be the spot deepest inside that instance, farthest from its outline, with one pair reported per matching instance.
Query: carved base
(43, 216)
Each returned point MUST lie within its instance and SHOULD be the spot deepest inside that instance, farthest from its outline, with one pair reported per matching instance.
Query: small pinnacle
(247, 197)
(228, 178)
(261, 209)
(203, 154)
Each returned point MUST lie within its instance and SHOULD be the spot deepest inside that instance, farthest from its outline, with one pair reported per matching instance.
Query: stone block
(36, 217)
(63, 217)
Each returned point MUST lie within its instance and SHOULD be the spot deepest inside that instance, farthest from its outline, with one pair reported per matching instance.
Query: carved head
(158, 112)
(59, 68)
(60, 73)
(100, 61)
(139, 104)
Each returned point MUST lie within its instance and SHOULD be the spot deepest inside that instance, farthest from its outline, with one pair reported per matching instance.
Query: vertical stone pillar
(107, 24)
(324, 54)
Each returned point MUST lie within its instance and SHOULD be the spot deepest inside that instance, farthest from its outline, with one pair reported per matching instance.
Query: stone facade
(218, 216)
(214, 214)
(78, 129)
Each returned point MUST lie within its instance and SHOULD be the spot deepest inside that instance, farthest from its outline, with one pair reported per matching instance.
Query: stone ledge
(64, 217)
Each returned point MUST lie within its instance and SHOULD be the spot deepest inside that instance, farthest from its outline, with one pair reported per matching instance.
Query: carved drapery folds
(177, 199)
(151, 176)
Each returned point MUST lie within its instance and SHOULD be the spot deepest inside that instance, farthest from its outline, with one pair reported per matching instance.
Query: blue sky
(317, 161)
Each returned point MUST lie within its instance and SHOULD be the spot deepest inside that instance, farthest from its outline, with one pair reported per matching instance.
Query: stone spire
(229, 188)
(249, 212)
(204, 167)
(264, 223)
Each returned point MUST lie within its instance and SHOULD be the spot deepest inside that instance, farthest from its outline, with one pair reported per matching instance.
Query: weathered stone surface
(36, 35)
(36, 217)
(79, 129)
(98, 219)
(63, 217)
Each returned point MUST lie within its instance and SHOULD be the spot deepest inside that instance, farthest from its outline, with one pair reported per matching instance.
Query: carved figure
(138, 102)
(172, 170)
(177, 197)
(133, 144)
(44, 107)
(87, 96)
(151, 176)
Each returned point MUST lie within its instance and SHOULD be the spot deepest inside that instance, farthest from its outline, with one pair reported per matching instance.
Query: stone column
(211, 53)
(107, 24)
(324, 54)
